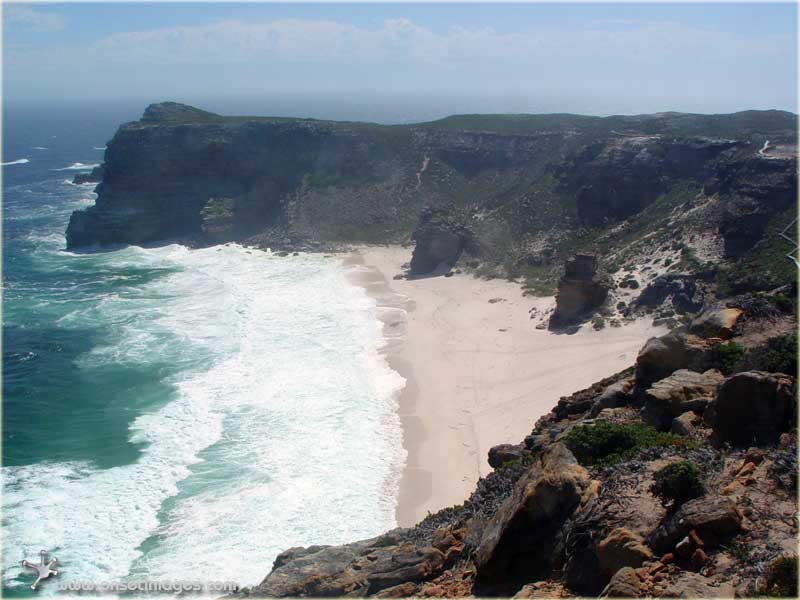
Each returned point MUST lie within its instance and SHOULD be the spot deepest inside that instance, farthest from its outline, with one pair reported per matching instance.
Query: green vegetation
(598, 323)
(676, 483)
(726, 357)
(739, 549)
(776, 355)
(780, 578)
(605, 443)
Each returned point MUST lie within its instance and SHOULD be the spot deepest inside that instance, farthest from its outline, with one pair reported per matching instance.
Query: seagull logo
(43, 570)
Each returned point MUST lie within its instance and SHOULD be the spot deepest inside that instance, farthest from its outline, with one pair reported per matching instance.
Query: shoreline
(477, 372)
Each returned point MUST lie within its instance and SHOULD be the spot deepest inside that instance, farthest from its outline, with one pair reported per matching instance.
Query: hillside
(531, 190)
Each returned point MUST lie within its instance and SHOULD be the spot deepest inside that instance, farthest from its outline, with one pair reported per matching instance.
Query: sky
(406, 61)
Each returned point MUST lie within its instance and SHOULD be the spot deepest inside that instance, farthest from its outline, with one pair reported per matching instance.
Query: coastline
(477, 371)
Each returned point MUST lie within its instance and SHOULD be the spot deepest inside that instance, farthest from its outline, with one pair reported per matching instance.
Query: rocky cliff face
(530, 190)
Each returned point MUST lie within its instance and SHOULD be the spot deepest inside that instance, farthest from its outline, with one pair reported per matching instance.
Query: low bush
(776, 355)
(598, 323)
(605, 443)
(780, 578)
(677, 482)
(726, 357)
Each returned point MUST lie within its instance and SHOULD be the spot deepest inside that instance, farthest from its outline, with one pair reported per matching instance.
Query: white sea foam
(21, 161)
(99, 147)
(78, 166)
(282, 430)
(40, 148)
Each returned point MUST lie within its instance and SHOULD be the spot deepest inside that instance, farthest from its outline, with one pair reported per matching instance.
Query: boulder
(754, 407)
(505, 453)
(624, 584)
(356, 569)
(708, 515)
(622, 548)
(716, 323)
(682, 391)
(680, 289)
(517, 543)
(581, 291)
(615, 395)
(659, 357)
(684, 424)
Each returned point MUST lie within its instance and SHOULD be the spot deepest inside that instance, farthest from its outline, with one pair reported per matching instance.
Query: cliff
(531, 190)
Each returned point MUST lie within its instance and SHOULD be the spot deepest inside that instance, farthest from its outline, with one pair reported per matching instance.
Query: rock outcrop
(713, 515)
(359, 569)
(581, 291)
(499, 455)
(716, 322)
(93, 176)
(754, 407)
(622, 548)
(439, 242)
(677, 394)
(517, 543)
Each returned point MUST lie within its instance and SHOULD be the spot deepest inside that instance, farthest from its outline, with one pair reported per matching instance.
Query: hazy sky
(596, 58)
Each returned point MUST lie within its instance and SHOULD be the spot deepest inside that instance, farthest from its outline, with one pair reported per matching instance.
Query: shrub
(605, 443)
(677, 483)
(777, 355)
(598, 323)
(725, 357)
(780, 578)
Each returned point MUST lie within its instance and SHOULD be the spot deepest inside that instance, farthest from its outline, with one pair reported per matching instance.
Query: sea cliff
(520, 193)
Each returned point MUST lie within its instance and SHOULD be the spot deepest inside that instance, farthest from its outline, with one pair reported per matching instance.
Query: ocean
(176, 414)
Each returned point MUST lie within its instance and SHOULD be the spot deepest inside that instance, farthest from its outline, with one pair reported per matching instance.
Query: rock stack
(581, 291)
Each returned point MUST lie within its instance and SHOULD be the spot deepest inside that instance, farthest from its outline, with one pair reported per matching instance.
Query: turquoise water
(172, 413)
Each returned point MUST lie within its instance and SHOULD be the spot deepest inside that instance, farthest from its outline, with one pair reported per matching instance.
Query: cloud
(663, 61)
(401, 40)
(24, 18)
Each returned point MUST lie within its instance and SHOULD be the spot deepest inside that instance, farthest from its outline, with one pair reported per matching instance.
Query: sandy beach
(478, 372)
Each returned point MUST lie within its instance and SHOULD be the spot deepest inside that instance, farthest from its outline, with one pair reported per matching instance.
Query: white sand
(479, 374)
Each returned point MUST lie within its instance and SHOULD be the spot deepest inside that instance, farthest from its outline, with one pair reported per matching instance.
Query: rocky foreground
(674, 478)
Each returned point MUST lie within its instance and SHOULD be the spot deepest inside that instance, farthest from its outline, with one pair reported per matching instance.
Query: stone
(684, 548)
(668, 558)
(503, 453)
(716, 323)
(754, 455)
(614, 396)
(622, 548)
(678, 393)
(624, 584)
(581, 291)
(519, 538)
(681, 290)
(699, 559)
(360, 568)
(404, 590)
(713, 514)
(754, 407)
(660, 357)
(683, 424)
(94, 176)
(692, 585)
